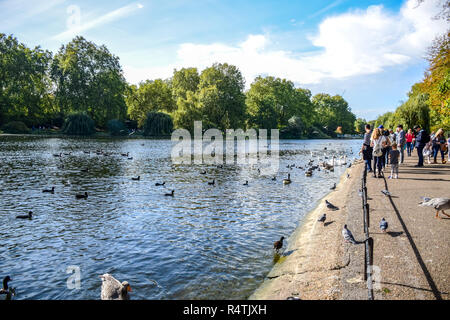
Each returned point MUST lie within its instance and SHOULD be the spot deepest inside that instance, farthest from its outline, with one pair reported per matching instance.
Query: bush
(158, 124)
(16, 127)
(116, 128)
(79, 124)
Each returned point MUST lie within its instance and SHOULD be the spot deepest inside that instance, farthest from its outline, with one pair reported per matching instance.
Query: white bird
(440, 204)
(348, 236)
(112, 289)
(383, 225)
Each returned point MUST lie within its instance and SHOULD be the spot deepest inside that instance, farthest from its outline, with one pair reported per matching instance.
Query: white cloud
(355, 43)
(106, 18)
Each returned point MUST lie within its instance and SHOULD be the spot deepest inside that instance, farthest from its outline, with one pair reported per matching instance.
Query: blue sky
(371, 52)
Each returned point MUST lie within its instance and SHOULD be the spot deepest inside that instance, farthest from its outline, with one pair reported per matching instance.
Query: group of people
(386, 147)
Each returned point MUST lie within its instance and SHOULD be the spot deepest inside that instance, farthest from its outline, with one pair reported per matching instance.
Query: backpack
(377, 152)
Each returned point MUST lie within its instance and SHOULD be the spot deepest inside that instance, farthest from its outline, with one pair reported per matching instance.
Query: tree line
(428, 103)
(82, 86)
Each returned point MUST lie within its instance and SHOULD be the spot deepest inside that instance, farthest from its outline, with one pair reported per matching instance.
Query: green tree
(184, 81)
(89, 79)
(332, 112)
(360, 125)
(158, 124)
(79, 124)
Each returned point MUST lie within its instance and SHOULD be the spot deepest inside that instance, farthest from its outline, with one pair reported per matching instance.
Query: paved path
(414, 256)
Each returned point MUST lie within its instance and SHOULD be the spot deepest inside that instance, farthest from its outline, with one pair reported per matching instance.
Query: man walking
(366, 149)
(422, 138)
(401, 140)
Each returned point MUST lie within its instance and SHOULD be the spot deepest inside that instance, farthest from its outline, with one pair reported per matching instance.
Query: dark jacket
(422, 138)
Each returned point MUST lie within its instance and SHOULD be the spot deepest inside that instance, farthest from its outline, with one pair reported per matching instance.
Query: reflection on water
(207, 242)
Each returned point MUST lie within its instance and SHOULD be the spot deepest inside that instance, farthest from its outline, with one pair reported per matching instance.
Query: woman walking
(439, 145)
(378, 142)
(409, 142)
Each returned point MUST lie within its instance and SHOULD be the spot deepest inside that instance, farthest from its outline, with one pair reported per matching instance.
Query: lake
(207, 242)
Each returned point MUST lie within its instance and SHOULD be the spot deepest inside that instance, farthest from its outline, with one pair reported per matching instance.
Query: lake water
(208, 242)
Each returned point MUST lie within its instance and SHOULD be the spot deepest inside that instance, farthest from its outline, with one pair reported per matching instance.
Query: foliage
(89, 79)
(149, 96)
(332, 112)
(116, 127)
(79, 124)
(294, 130)
(16, 127)
(360, 125)
(158, 124)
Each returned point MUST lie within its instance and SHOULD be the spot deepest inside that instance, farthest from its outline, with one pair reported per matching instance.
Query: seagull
(52, 190)
(331, 206)
(440, 204)
(348, 236)
(278, 244)
(28, 216)
(386, 193)
(112, 289)
(323, 218)
(333, 187)
(383, 225)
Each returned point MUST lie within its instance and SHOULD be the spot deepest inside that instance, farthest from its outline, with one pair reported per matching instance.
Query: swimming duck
(160, 184)
(52, 190)
(274, 179)
(125, 154)
(82, 196)
(112, 289)
(172, 194)
(29, 216)
(212, 183)
(333, 187)
(136, 179)
(288, 180)
(130, 158)
(203, 172)
(246, 183)
(278, 244)
(308, 173)
(6, 289)
(58, 155)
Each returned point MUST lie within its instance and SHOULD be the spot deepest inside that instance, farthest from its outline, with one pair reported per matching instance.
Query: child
(428, 151)
(394, 154)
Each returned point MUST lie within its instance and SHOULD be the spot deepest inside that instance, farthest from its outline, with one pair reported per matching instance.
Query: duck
(172, 194)
(160, 184)
(130, 158)
(274, 179)
(288, 180)
(212, 183)
(6, 290)
(136, 179)
(246, 183)
(29, 216)
(125, 154)
(203, 172)
(85, 170)
(308, 173)
(52, 190)
(333, 187)
(278, 244)
(82, 196)
(58, 155)
(113, 289)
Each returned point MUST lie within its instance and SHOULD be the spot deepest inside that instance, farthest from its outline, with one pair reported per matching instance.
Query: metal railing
(368, 243)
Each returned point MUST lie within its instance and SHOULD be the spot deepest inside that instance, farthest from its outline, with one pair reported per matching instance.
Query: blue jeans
(368, 165)
(420, 154)
(436, 149)
(409, 148)
(378, 164)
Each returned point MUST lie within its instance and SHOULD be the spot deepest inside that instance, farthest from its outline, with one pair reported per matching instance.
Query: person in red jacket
(409, 142)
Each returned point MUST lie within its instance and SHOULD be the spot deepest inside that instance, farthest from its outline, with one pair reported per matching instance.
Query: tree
(333, 112)
(184, 81)
(150, 96)
(25, 88)
(89, 79)
(220, 97)
(360, 125)
(158, 124)
(79, 124)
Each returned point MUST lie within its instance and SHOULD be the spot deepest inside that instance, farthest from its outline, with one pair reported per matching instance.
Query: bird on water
(113, 289)
(82, 196)
(28, 216)
(288, 180)
(160, 184)
(172, 194)
(52, 190)
(136, 179)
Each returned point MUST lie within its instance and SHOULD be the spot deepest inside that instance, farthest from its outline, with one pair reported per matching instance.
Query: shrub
(116, 128)
(79, 124)
(16, 127)
(158, 124)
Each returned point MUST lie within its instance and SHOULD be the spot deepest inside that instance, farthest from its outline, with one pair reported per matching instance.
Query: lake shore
(310, 267)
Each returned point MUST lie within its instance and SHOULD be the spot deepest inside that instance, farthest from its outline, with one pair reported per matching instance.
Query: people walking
(409, 142)
(366, 149)
(378, 142)
(394, 155)
(439, 145)
(387, 147)
(401, 140)
(422, 138)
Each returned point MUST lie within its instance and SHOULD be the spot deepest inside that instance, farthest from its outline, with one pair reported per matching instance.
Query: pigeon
(28, 216)
(279, 244)
(331, 206)
(348, 176)
(440, 204)
(383, 225)
(348, 236)
(323, 218)
(386, 193)
(333, 187)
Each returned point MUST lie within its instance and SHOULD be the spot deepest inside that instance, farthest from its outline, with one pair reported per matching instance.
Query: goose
(6, 289)
(136, 179)
(212, 183)
(130, 158)
(172, 194)
(308, 173)
(160, 184)
(85, 170)
(52, 190)
(440, 204)
(278, 244)
(29, 216)
(246, 183)
(274, 179)
(58, 155)
(288, 180)
(82, 196)
(125, 154)
(112, 289)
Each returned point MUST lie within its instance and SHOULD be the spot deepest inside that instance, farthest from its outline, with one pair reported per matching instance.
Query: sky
(368, 51)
